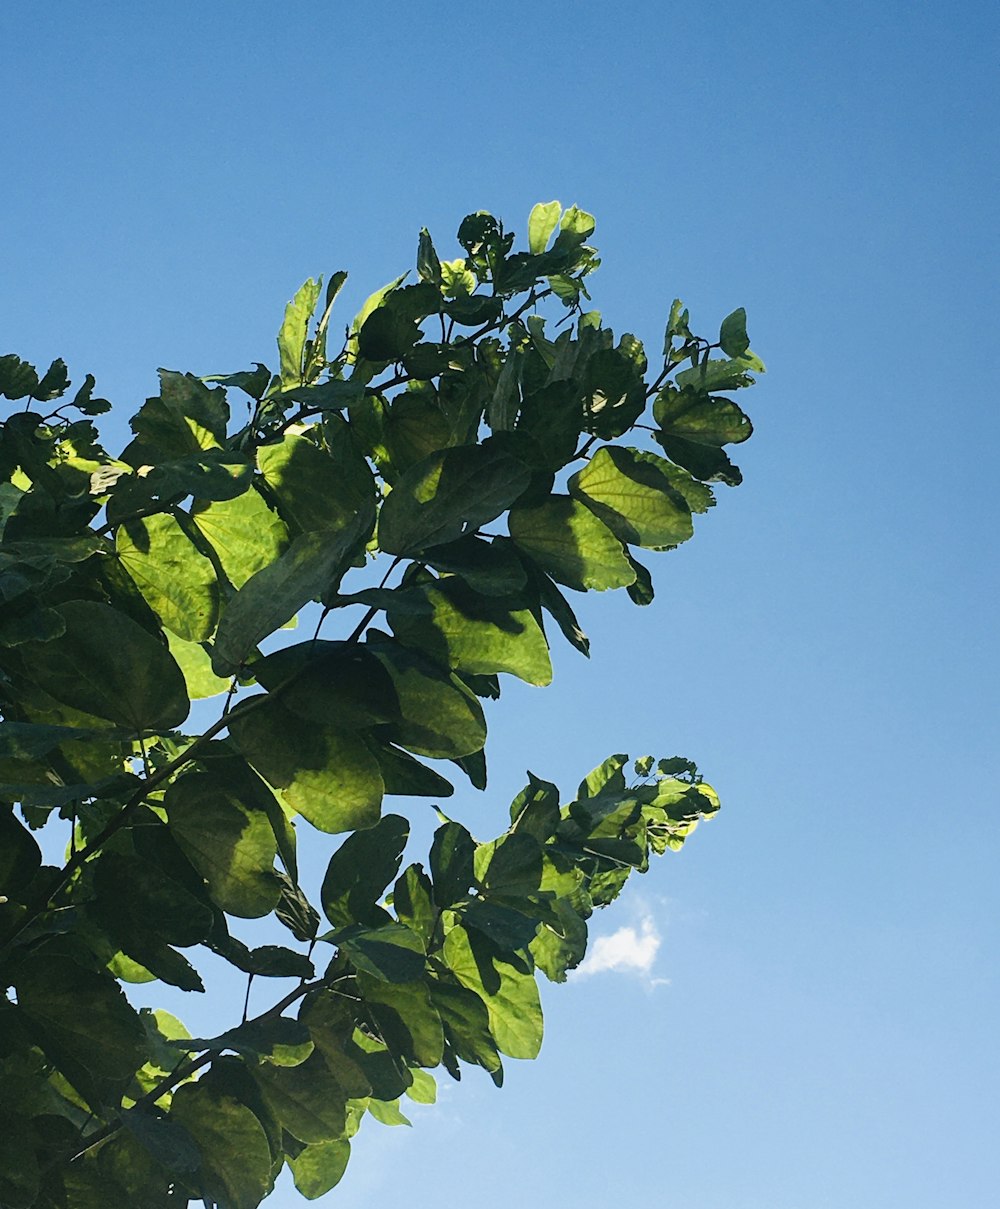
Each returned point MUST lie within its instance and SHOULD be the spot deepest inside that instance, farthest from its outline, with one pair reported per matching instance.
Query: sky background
(817, 1027)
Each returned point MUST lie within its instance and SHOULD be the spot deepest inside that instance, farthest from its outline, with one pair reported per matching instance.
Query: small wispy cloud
(628, 951)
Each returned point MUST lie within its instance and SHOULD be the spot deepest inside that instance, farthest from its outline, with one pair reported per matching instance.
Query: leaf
(18, 1163)
(448, 495)
(20, 856)
(438, 715)
(294, 330)
(177, 581)
(511, 998)
(232, 847)
(733, 334)
(630, 491)
(106, 664)
(702, 418)
(404, 775)
(542, 221)
(312, 565)
(312, 489)
(703, 461)
(423, 1089)
(391, 953)
(244, 532)
(387, 335)
(235, 1156)
(277, 1040)
(195, 662)
(413, 902)
(466, 1024)
(571, 544)
(451, 859)
(404, 1018)
(336, 683)
(318, 1168)
(359, 871)
(185, 418)
(81, 1020)
(477, 634)
(712, 375)
(490, 568)
(328, 776)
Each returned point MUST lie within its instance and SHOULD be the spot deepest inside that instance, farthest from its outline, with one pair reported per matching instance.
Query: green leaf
(387, 335)
(195, 662)
(20, 856)
(336, 683)
(405, 1018)
(448, 495)
(413, 902)
(18, 1163)
(703, 461)
(466, 1024)
(702, 418)
(631, 492)
(428, 264)
(185, 418)
(490, 568)
(278, 1040)
(452, 854)
(711, 375)
(313, 491)
(359, 871)
(439, 716)
(423, 1089)
(477, 634)
(312, 565)
(177, 581)
(571, 543)
(511, 997)
(318, 1168)
(328, 776)
(560, 945)
(406, 776)
(294, 330)
(392, 952)
(244, 532)
(733, 334)
(235, 1156)
(232, 847)
(82, 1021)
(542, 221)
(106, 664)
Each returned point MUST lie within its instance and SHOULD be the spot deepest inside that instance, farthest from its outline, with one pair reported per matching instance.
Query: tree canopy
(420, 493)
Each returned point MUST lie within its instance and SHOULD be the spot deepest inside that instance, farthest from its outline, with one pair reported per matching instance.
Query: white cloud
(627, 951)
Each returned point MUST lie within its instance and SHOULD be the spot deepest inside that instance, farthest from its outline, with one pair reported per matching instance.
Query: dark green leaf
(477, 634)
(106, 664)
(359, 871)
(328, 776)
(447, 495)
(235, 1156)
(571, 543)
(312, 565)
(232, 847)
(392, 952)
(452, 871)
(733, 334)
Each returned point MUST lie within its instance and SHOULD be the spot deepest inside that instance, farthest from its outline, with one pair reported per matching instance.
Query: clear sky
(818, 1026)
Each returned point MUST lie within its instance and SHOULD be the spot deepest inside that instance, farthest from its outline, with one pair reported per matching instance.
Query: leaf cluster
(422, 491)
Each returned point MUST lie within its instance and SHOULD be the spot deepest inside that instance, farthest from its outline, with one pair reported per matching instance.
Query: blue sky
(818, 1028)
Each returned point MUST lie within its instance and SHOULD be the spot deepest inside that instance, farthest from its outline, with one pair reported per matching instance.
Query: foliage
(367, 486)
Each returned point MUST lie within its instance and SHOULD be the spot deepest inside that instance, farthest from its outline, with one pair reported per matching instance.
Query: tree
(156, 707)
